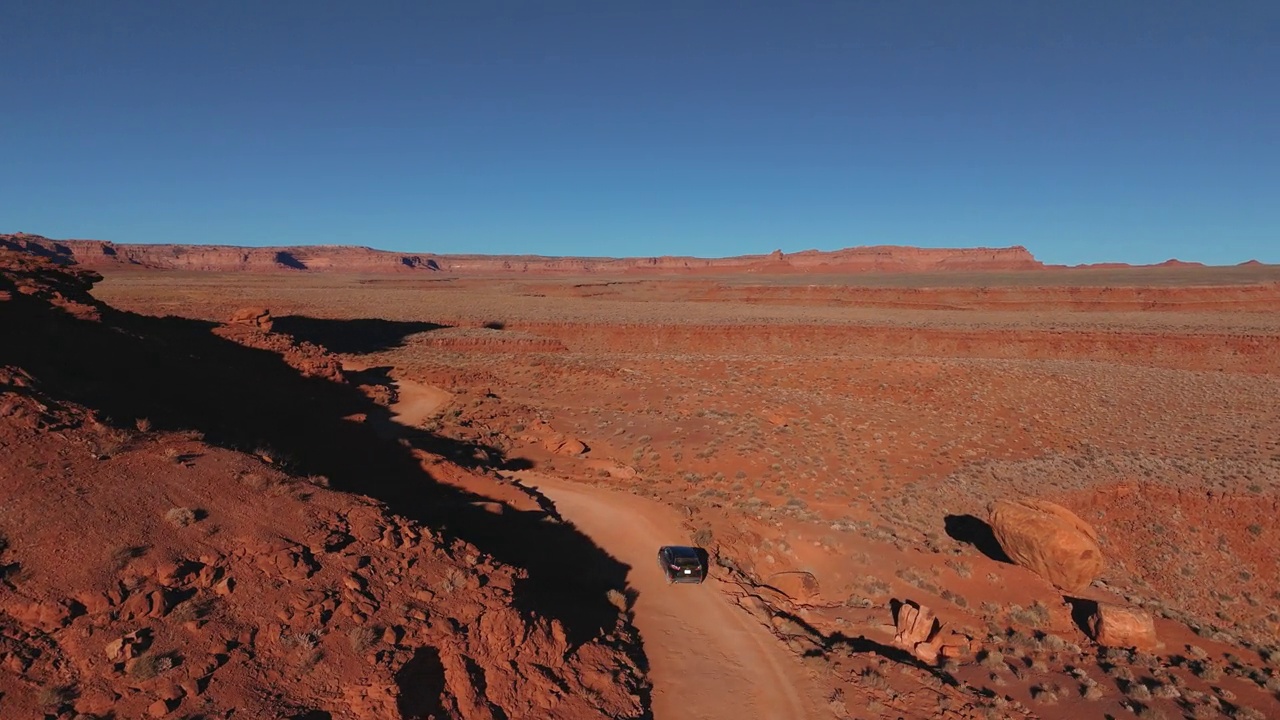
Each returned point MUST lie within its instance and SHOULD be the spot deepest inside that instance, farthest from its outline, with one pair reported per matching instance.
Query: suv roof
(679, 552)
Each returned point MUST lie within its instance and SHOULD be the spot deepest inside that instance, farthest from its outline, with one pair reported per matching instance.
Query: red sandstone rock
(1049, 540)
(1118, 626)
(564, 445)
(918, 629)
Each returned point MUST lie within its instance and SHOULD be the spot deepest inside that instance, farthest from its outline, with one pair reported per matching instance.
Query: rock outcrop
(259, 318)
(1049, 540)
(917, 629)
(1124, 627)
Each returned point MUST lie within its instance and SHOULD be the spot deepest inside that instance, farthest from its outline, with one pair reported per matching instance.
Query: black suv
(682, 564)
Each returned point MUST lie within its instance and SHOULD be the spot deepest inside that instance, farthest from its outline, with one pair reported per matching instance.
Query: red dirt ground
(853, 428)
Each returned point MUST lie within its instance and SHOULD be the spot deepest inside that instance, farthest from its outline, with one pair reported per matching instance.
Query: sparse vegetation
(180, 516)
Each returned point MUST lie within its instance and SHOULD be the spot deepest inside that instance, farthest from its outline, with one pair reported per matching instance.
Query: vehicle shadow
(179, 375)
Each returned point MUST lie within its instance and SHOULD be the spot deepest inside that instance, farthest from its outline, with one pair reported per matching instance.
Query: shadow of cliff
(179, 375)
(352, 337)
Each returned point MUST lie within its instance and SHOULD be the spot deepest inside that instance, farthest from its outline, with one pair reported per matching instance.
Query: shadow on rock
(179, 375)
(976, 532)
(1081, 610)
(421, 683)
(353, 337)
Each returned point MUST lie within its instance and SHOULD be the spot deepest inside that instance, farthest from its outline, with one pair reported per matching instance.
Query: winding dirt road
(707, 658)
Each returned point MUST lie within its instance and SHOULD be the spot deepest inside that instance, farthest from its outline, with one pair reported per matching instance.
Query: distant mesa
(1100, 266)
(104, 255)
(101, 254)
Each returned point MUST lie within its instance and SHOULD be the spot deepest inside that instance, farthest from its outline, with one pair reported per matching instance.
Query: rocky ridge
(181, 575)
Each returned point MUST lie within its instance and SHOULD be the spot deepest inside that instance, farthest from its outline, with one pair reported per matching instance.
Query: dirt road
(417, 403)
(707, 658)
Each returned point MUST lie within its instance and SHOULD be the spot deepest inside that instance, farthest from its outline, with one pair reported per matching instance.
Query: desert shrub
(963, 569)
(180, 516)
(148, 665)
(1091, 691)
(122, 555)
(54, 695)
(1166, 691)
(193, 609)
(1138, 691)
(1044, 695)
(1206, 670)
(361, 638)
(1036, 616)
(875, 586)
(1054, 643)
(872, 678)
(617, 599)
(1121, 672)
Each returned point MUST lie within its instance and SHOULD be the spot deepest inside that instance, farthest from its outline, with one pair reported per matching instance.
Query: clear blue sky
(1088, 131)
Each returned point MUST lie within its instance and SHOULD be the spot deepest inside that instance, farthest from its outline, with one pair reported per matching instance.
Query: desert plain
(309, 483)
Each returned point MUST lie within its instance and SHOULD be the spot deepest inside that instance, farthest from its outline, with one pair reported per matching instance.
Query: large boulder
(1123, 627)
(1049, 540)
